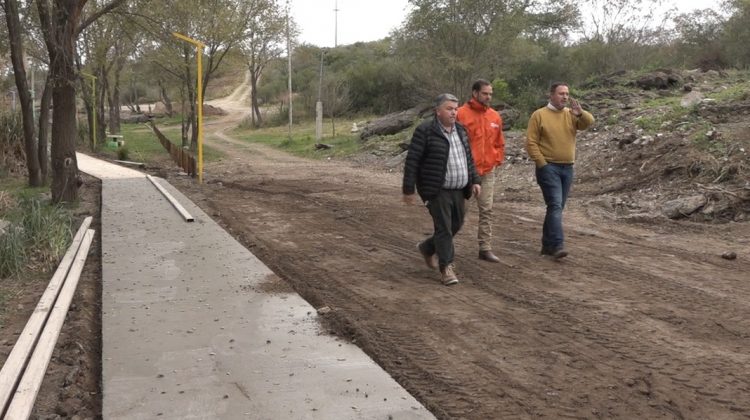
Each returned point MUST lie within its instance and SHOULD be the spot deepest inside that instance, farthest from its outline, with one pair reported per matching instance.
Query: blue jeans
(555, 180)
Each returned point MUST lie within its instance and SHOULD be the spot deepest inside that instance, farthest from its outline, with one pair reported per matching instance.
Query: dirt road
(641, 321)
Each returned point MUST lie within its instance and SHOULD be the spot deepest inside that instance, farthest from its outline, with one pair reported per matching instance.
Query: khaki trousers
(484, 203)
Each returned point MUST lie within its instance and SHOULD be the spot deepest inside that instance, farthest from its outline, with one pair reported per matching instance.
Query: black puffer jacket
(427, 160)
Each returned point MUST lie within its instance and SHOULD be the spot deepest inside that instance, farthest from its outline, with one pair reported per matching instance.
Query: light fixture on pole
(199, 58)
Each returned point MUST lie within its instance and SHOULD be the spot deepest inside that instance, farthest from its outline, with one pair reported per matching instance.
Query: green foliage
(736, 35)
(699, 38)
(11, 143)
(123, 153)
(302, 142)
(47, 229)
(662, 118)
(613, 118)
(500, 89)
(738, 91)
(38, 236)
(12, 252)
(142, 145)
(704, 142)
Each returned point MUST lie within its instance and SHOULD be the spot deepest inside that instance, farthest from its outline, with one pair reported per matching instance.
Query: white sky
(369, 20)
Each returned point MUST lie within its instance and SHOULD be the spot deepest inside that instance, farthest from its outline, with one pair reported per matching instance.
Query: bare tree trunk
(44, 129)
(165, 98)
(184, 121)
(60, 40)
(101, 93)
(114, 97)
(88, 105)
(64, 163)
(191, 93)
(255, 108)
(27, 107)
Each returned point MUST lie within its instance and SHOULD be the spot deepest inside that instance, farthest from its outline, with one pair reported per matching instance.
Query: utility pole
(336, 24)
(319, 104)
(289, 67)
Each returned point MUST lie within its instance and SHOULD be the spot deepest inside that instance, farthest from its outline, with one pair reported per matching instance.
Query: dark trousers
(555, 180)
(447, 210)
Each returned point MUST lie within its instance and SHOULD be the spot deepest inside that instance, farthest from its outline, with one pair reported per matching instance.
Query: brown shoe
(559, 253)
(449, 275)
(488, 256)
(555, 253)
(430, 260)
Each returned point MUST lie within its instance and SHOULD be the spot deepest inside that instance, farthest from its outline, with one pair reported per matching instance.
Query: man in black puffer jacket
(439, 164)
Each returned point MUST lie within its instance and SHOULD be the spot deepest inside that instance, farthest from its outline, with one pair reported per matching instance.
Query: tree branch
(96, 15)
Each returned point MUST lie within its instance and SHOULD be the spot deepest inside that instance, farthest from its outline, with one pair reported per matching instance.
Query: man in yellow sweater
(551, 144)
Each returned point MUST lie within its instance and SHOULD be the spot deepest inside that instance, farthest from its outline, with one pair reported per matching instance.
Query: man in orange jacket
(485, 128)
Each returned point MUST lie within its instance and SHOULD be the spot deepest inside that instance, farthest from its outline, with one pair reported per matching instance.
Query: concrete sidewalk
(191, 331)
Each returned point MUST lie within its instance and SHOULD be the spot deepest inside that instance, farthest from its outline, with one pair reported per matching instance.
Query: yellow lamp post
(199, 57)
(93, 105)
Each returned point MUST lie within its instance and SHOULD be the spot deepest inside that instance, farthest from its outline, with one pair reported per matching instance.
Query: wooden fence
(181, 156)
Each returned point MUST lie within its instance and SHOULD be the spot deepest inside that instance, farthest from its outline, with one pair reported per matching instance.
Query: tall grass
(12, 252)
(37, 240)
(47, 228)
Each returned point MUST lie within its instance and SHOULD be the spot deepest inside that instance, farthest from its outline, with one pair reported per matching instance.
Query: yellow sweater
(551, 136)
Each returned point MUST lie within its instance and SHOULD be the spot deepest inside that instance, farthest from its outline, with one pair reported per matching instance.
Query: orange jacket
(485, 127)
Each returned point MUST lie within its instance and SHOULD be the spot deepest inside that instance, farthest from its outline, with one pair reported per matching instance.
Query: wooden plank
(16, 361)
(175, 203)
(28, 388)
(127, 162)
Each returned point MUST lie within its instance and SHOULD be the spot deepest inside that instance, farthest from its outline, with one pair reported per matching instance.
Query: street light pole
(93, 106)
(336, 24)
(289, 67)
(319, 104)
(199, 58)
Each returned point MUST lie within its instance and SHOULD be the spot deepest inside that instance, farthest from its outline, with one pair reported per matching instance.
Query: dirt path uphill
(639, 322)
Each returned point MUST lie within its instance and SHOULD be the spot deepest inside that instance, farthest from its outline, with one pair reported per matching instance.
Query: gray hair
(445, 97)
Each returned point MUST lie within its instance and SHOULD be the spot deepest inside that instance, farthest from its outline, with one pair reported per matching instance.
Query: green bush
(47, 230)
(123, 153)
(12, 252)
(12, 157)
(37, 239)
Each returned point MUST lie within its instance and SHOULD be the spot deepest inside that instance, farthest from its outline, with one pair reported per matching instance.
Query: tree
(622, 34)
(13, 23)
(737, 32)
(699, 38)
(263, 41)
(61, 24)
(452, 42)
(218, 24)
